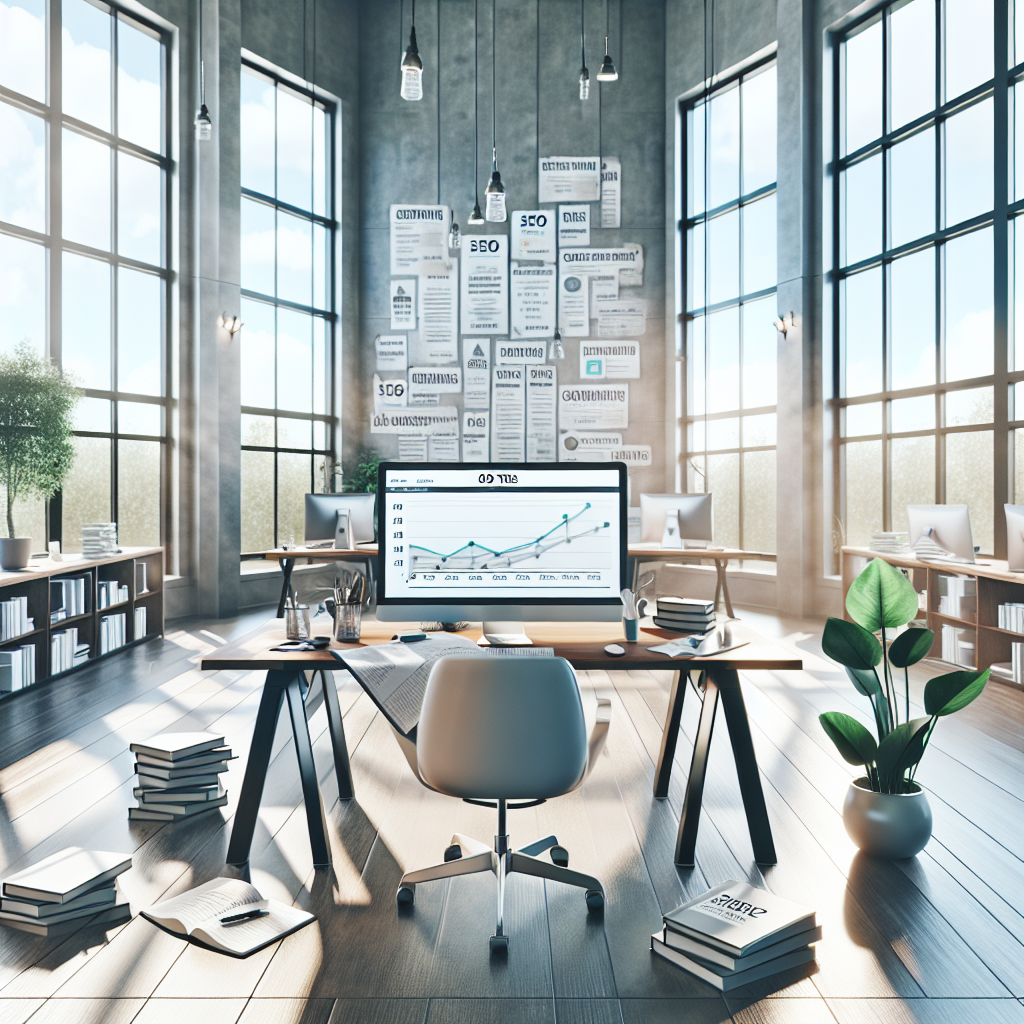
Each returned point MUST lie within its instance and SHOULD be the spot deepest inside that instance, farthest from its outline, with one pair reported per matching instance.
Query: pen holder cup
(631, 629)
(347, 618)
(296, 622)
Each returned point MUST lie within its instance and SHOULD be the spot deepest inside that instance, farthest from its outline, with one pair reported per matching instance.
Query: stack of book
(737, 933)
(67, 598)
(66, 886)
(17, 668)
(1011, 617)
(112, 632)
(99, 539)
(958, 596)
(889, 542)
(110, 592)
(179, 775)
(14, 620)
(955, 649)
(65, 650)
(685, 615)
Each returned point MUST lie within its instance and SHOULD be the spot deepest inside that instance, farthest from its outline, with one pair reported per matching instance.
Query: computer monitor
(1015, 537)
(940, 532)
(322, 516)
(694, 517)
(501, 542)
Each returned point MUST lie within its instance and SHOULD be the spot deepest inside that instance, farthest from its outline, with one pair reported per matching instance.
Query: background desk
(366, 554)
(580, 643)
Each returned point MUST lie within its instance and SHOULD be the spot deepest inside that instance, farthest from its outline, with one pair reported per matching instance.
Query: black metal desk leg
(255, 772)
(307, 772)
(287, 564)
(663, 769)
(686, 841)
(746, 768)
(342, 768)
(723, 586)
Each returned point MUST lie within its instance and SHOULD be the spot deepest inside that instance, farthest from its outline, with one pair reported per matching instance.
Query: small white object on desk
(615, 650)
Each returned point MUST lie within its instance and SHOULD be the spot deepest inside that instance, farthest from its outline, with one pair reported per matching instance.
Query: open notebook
(198, 912)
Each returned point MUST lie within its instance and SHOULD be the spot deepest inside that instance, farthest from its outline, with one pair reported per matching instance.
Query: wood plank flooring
(935, 940)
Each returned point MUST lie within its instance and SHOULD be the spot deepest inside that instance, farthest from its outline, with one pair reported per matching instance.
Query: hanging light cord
(494, 132)
(476, 101)
(708, 74)
(583, 48)
(202, 76)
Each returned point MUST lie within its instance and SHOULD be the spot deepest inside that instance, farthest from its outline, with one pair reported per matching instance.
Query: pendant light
(454, 236)
(555, 349)
(584, 71)
(607, 72)
(476, 217)
(202, 123)
(412, 66)
(494, 194)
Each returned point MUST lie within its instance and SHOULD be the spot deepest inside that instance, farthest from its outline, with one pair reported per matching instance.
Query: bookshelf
(40, 590)
(978, 615)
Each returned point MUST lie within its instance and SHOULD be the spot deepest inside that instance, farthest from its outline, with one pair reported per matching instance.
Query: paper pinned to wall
(611, 192)
(632, 454)
(389, 394)
(436, 380)
(568, 179)
(403, 304)
(576, 447)
(625, 317)
(516, 353)
(476, 436)
(597, 260)
(436, 342)
(485, 284)
(533, 235)
(612, 360)
(392, 351)
(443, 449)
(631, 275)
(412, 448)
(541, 391)
(604, 287)
(419, 237)
(533, 300)
(444, 422)
(573, 304)
(593, 406)
(424, 398)
(574, 225)
(508, 413)
(476, 373)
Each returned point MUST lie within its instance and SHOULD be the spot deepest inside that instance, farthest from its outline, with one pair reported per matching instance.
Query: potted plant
(886, 812)
(37, 400)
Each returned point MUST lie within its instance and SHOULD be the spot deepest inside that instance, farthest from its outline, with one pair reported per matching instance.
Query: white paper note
(533, 300)
(575, 447)
(476, 436)
(604, 287)
(611, 192)
(533, 235)
(419, 237)
(424, 398)
(632, 454)
(389, 394)
(593, 406)
(508, 413)
(436, 342)
(569, 179)
(443, 422)
(594, 260)
(412, 448)
(573, 304)
(612, 360)
(485, 284)
(516, 353)
(632, 274)
(541, 390)
(392, 351)
(625, 318)
(403, 304)
(443, 449)
(437, 380)
(476, 373)
(573, 225)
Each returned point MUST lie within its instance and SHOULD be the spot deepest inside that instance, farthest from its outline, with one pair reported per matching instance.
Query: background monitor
(694, 516)
(1015, 537)
(945, 526)
(322, 515)
(501, 541)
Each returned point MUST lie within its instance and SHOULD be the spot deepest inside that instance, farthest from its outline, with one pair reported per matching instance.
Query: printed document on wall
(476, 436)
(569, 179)
(515, 353)
(614, 360)
(443, 449)
(604, 287)
(594, 447)
(611, 192)
(442, 422)
(392, 351)
(593, 406)
(573, 304)
(625, 317)
(403, 304)
(574, 225)
(541, 390)
(533, 300)
(436, 342)
(389, 394)
(412, 448)
(419, 238)
(435, 380)
(485, 284)
(533, 235)
(632, 274)
(508, 413)
(476, 373)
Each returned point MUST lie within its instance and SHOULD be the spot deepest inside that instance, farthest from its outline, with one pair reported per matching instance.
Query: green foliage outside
(362, 478)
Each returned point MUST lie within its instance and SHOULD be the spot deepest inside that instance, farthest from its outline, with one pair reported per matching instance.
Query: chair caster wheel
(499, 944)
(560, 856)
(405, 895)
(595, 900)
(453, 852)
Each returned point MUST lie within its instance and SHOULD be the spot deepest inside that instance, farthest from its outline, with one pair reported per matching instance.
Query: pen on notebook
(248, 915)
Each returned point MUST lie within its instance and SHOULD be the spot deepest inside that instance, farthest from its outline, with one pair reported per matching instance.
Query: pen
(248, 915)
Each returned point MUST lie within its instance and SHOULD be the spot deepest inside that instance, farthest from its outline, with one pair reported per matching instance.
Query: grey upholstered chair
(501, 729)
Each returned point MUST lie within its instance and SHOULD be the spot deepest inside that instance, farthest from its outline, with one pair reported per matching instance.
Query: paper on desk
(681, 649)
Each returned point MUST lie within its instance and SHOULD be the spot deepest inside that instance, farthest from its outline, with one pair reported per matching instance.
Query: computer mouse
(615, 650)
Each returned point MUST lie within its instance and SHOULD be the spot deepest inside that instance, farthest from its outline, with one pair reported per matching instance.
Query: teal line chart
(474, 556)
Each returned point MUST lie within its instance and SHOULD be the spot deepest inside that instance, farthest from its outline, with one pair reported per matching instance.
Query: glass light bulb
(454, 238)
(494, 196)
(203, 124)
(584, 84)
(412, 83)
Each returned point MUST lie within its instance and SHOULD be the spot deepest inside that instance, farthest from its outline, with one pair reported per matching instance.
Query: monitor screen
(502, 534)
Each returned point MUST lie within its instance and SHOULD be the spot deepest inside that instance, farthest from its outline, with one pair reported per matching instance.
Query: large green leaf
(866, 682)
(946, 694)
(910, 647)
(881, 596)
(852, 740)
(900, 750)
(850, 644)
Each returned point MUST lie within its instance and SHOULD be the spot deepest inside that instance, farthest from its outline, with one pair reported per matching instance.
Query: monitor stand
(504, 634)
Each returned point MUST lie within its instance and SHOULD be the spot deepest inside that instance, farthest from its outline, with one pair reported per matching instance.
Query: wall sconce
(231, 324)
(783, 323)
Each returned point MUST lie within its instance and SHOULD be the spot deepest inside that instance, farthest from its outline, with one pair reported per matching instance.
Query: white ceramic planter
(889, 825)
(15, 552)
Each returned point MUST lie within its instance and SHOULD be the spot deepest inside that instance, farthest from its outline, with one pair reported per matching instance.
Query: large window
(727, 380)
(288, 305)
(84, 250)
(922, 381)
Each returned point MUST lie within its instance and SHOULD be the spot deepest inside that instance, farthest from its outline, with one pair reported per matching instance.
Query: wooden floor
(936, 940)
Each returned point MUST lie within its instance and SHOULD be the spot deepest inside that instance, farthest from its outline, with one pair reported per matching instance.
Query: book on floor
(198, 761)
(691, 947)
(170, 812)
(721, 977)
(175, 746)
(40, 909)
(199, 914)
(189, 782)
(106, 917)
(175, 796)
(170, 774)
(66, 875)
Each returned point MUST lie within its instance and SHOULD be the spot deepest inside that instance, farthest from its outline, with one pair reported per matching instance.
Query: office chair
(493, 730)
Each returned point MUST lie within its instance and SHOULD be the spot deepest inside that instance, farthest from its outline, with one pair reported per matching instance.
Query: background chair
(500, 729)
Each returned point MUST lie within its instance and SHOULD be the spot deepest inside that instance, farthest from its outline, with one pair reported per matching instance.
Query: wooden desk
(717, 679)
(720, 556)
(287, 559)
